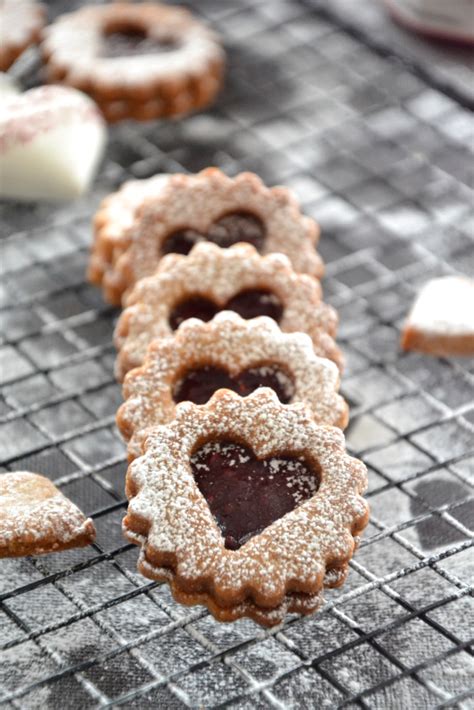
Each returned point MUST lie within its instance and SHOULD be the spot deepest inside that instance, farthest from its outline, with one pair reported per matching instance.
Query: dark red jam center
(134, 42)
(199, 385)
(248, 304)
(246, 494)
(256, 302)
(226, 231)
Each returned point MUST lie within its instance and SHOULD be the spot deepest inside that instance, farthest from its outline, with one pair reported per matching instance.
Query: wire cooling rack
(382, 160)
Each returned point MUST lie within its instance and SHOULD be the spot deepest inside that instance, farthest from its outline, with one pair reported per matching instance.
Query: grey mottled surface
(383, 162)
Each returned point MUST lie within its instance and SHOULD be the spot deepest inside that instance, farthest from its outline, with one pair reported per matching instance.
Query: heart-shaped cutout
(199, 385)
(245, 494)
(51, 141)
(250, 303)
(225, 232)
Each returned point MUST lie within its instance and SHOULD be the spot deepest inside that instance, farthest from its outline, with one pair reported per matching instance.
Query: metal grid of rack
(382, 161)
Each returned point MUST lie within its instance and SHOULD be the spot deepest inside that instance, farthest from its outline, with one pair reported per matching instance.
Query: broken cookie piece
(441, 321)
(36, 518)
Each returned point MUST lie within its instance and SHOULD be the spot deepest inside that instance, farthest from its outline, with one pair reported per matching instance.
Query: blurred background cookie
(137, 61)
(21, 22)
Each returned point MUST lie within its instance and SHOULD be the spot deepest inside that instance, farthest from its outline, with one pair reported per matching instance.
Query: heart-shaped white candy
(51, 141)
(7, 86)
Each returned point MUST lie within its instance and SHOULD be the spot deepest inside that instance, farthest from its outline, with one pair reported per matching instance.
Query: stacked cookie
(145, 220)
(241, 494)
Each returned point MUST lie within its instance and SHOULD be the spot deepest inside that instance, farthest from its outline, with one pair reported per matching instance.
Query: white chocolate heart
(51, 141)
(7, 86)
(441, 321)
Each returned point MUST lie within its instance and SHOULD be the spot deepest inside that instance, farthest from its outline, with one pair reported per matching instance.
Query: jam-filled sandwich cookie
(211, 279)
(232, 353)
(293, 602)
(187, 209)
(441, 321)
(36, 518)
(141, 61)
(21, 22)
(246, 505)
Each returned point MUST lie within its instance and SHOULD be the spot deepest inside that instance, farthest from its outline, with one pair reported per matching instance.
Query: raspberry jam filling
(248, 304)
(199, 385)
(246, 494)
(132, 42)
(226, 231)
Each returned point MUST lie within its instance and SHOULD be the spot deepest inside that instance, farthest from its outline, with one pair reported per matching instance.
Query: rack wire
(384, 162)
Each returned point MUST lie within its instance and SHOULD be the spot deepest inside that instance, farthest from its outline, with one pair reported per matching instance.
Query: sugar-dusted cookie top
(227, 352)
(441, 321)
(211, 279)
(245, 499)
(208, 206)
(138, 60)
(36, 518)
(113, 221)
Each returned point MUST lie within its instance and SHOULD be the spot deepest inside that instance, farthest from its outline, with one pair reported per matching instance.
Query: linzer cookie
(211, 279)
(246, 505)
(36, 518)
(441, 321)
(228, 352)
(141, 61)
(21, 22)
(187, 209)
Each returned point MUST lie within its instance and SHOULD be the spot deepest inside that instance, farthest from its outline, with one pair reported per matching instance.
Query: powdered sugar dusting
(36, 517)
(172, 518)
(219, 274)
(115, 217)
(232, 343)
(118, 210)
(199, 200)
(444, 309)
(75, 41)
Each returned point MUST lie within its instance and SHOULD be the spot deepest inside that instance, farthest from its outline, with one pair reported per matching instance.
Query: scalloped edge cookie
(220, 274)
(227, 342)
(197, 201)
(171, 520)
(146, 86)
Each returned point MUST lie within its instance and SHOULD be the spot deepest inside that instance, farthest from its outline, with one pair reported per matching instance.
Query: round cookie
(141, 61)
